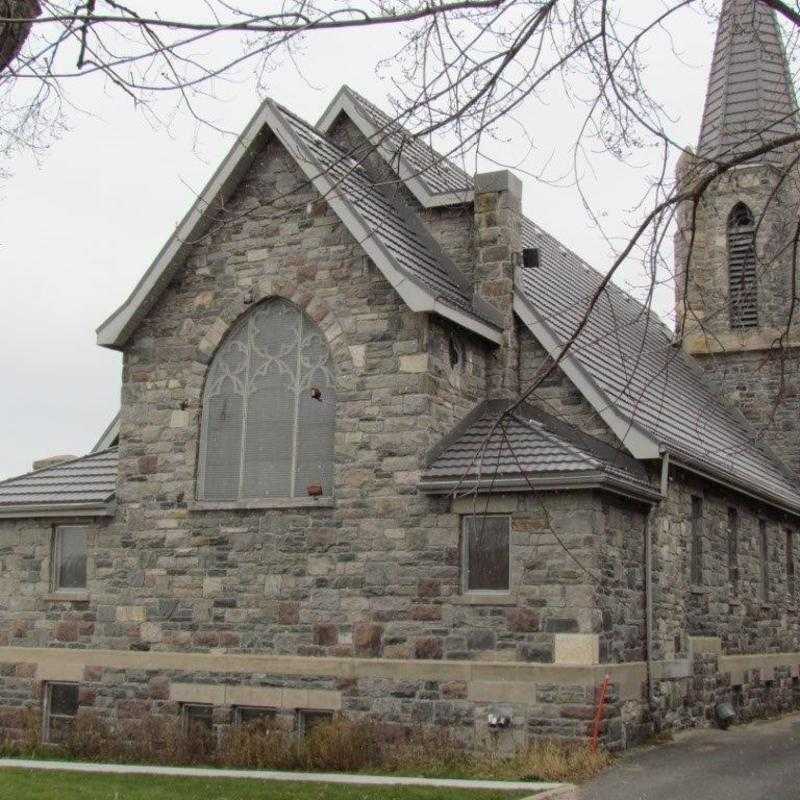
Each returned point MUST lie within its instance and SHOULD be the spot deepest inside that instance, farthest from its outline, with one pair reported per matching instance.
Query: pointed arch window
(268, 410)
(742, 284)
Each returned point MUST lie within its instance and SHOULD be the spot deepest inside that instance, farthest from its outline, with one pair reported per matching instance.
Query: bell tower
(737, 248)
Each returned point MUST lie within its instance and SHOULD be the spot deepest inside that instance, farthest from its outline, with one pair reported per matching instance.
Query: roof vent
(530, 258)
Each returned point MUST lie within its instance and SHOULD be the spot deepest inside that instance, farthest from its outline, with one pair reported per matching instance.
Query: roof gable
(432, 178)
(395, 239)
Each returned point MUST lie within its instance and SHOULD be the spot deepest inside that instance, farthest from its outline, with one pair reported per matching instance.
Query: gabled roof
(750, 97)
(110, 435)
(424, 277)
(84, 487)
(650, 393)
(431, 177)
(531, 450)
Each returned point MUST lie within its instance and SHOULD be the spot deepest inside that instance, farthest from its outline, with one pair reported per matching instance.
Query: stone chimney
(51, 461)
(498, 251)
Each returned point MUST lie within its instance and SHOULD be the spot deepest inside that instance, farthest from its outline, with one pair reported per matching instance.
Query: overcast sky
(78, 228)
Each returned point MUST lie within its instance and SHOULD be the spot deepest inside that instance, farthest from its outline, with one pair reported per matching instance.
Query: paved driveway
(759, 761)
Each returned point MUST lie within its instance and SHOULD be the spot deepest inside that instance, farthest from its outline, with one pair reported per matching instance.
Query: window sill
(485, 599)
(255, 505)
(68, 597)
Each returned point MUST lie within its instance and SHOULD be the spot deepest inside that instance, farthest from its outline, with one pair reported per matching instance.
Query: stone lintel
(485, 504)
(258, 696)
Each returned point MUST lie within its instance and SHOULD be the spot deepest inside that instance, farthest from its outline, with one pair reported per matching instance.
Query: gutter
(587, 480)
(38, 510)
(681, 460)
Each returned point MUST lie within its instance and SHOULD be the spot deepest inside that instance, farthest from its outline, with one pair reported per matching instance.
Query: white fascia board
(343, 103)
(108, 435)
(114, 332)
(638, 443)
(415, 297)
(54, 510)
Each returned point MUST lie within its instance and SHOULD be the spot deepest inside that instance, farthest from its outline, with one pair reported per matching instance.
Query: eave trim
(638, 443)
(37, 510)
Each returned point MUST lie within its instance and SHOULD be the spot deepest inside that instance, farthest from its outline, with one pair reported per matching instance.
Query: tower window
(742, 285)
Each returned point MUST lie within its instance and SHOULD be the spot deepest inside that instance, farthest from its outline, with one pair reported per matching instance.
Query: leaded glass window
(268, 409)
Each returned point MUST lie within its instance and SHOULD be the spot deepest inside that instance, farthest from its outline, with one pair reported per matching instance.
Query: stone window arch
(742, 283)
(269, 409)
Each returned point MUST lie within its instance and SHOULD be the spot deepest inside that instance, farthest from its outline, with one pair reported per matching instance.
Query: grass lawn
(22, 784)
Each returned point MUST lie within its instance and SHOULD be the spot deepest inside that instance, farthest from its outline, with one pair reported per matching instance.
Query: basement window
(60, 710)
(254, 717)
(69, 559)
(198, 718)
(308, 719)
(485, 553)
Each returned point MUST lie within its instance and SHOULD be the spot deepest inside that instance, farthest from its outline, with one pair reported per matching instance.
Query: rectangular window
(697, 542)
(308, 719)
(733, 550)
(485, 553)
(790, 562)
(764, 546)
(254, 717)
(60, 710)
(69, 558)
(198, 718)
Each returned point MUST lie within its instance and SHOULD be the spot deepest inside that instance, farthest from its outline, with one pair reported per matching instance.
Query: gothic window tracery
(268, 410)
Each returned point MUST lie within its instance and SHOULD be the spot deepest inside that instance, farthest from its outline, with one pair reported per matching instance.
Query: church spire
(750, 98)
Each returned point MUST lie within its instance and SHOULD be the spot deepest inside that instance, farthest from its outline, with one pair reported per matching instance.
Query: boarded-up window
(742, 283)
(697, 541)
(268, 409)
(485, 545)
(255, 717)
(61, 708)
(763, 537)
(733, 550)
(790, 562)
(69, 558)
(309, 719)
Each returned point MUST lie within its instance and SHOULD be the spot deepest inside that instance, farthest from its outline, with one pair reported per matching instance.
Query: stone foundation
(540, 700)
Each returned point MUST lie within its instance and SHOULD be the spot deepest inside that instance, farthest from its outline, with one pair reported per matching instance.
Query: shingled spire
(750, 98)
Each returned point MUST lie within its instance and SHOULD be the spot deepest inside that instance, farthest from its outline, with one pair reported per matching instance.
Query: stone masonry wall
(755, 369)
(737, 614)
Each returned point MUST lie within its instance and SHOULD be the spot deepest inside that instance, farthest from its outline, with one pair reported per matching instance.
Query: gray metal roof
(531, 450)
(438, 173)
(397, 229)
(750, 97)
(625, 362)
(83, 486)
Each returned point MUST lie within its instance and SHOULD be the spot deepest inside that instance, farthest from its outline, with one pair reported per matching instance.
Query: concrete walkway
(264, 775)
(759, 761)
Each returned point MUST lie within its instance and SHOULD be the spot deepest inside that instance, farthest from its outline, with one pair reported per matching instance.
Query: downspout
(648, 584)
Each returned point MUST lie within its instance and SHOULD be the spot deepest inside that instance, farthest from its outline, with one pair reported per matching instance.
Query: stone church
(330, 488)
